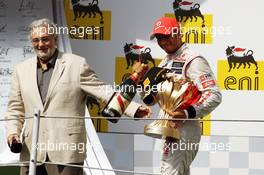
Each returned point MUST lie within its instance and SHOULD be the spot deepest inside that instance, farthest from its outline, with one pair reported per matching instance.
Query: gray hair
(44, 22)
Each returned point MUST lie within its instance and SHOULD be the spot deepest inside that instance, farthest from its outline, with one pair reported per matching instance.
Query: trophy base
(159, 132)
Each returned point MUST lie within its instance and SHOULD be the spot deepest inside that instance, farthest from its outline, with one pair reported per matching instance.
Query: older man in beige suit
(56, 83)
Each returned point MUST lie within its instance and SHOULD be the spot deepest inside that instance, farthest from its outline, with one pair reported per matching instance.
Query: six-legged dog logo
(196, 27)
(131, 54)
(94, 107)
(182, 14)
(235, 61)
(81, 10)
(87, 20)
(134, 53)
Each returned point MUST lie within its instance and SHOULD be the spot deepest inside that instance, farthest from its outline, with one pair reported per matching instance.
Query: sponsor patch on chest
(177, 67)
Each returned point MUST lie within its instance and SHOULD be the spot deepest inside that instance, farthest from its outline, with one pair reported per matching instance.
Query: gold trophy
(171, 94)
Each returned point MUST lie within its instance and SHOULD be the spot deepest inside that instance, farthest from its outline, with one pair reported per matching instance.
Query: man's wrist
(191, 112)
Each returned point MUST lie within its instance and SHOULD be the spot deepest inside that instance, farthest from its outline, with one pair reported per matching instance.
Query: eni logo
(236, 61)
(192, 12)
(81, 11)
(240, 70)
(196, 27)
(134, 53)
(87, 20)
(94, 107)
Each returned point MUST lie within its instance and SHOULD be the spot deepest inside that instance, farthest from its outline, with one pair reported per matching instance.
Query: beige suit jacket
(71, 81)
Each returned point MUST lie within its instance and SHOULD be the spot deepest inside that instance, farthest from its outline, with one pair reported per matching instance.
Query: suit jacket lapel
(57, 72)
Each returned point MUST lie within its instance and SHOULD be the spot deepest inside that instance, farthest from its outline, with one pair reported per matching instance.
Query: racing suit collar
(173, 56)
(177, 53)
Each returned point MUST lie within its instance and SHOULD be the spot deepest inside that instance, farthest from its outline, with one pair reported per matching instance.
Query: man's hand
(13, 138)
(178, 114)
(14, 143)
(143, 112)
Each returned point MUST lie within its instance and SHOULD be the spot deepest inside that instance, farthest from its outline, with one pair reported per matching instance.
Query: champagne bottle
(119, 101)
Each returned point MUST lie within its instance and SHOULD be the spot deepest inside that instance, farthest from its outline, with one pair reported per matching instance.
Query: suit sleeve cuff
(132, 109)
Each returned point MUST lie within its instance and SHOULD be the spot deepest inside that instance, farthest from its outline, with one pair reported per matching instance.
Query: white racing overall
(177, 155)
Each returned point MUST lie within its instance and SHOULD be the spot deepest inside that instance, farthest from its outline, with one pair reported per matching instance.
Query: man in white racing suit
(178, 155)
